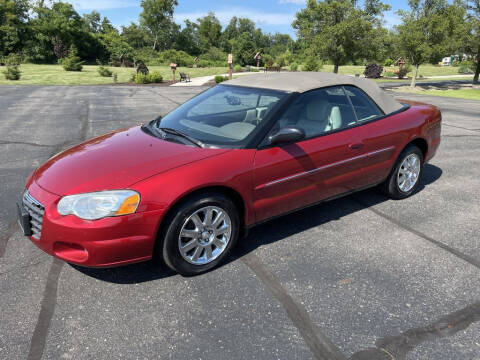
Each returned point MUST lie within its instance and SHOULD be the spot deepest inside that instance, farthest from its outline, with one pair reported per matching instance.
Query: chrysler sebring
(185, 187)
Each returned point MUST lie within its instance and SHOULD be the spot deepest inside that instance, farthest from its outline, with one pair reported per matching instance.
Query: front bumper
(107, 242)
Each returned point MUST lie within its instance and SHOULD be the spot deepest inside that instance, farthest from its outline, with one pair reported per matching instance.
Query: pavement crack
(23, 267)
(473, 261)
(322, 347)
(398, 346)
(4, 142)
(47, 309)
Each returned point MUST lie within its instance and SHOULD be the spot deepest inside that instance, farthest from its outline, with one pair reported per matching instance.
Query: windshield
(223, 115)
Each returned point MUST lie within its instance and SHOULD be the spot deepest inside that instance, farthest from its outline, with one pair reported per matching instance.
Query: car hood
(114, 161)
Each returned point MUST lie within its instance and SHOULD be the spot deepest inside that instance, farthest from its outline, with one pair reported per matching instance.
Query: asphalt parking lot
(361, 277)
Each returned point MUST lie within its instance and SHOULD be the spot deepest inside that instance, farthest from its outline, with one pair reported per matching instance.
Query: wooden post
(230, 66)
(173, 67)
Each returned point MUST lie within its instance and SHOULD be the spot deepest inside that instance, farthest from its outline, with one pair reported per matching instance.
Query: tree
(60, 21)
(473, 40)
(187, 40)
(136, 36)
(209, 31)
(157, 17)
(13, 25)
(337, 30)
(107, 27)
(426, 32)
(117, 49)
(93, 22)
(243, 49)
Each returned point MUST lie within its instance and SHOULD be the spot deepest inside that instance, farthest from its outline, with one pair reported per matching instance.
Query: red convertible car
(186, 186)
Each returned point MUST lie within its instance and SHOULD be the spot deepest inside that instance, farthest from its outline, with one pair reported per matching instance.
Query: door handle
(355, 146)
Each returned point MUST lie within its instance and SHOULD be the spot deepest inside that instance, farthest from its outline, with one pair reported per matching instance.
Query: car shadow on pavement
(266, 233)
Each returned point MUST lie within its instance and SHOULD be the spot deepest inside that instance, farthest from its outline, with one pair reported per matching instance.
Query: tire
(200, 236)
(392, 187)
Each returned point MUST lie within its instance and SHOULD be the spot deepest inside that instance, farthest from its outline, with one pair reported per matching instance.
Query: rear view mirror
(287, 135)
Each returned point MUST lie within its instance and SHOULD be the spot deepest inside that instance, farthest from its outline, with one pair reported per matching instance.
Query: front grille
(36, 211)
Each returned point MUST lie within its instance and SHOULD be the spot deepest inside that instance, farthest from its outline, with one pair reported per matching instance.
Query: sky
(270, 15)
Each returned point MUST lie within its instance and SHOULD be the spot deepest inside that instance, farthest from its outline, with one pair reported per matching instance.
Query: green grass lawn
(470, 94)
(55, 75)
(424, 70)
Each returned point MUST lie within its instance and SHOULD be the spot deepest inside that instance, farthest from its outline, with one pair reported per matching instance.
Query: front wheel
(405, 176)
(201, 233)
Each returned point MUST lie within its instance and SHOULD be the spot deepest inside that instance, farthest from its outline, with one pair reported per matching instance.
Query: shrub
(220, 78)
(203, 63)
(237, 68)
(12, 59)
(154, 77)
(72, 62)
(465, 67)
(280, 60)
(179, 57)
(311, 64)
(401, 73)
(388, 62)
(147, 56)
(294, 66)
(253, 69)
(373, 71)
(151, 78)
(12, 72)
(103, 71)
(214, 56)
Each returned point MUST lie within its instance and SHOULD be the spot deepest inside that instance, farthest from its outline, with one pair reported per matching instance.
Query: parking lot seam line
(460, 127)
(49, 301)
(448, 325)
(47, 309)
(84, 123)
(321, 347)
(457, 253)
(162, 95)
(12, 228)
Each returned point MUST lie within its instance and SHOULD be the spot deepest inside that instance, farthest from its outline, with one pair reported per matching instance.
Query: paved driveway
(361, 277)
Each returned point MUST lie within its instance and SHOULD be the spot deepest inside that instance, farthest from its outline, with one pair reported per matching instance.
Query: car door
(381, 135)
(328, 162)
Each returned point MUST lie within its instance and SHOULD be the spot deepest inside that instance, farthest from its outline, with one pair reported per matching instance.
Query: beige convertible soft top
(306, 81)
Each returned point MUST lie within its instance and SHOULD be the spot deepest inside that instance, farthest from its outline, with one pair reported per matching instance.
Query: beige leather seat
(251, 116)
(320, 116)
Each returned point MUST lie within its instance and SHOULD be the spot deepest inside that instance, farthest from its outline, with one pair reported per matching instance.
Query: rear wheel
(405, 176)
(200, 234)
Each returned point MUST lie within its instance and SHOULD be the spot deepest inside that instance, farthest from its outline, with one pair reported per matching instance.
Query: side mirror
(287, 135)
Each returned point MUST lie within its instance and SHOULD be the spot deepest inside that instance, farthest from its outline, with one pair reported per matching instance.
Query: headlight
(97, 205)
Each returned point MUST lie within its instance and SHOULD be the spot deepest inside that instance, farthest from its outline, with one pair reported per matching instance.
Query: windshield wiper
(181, 134)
